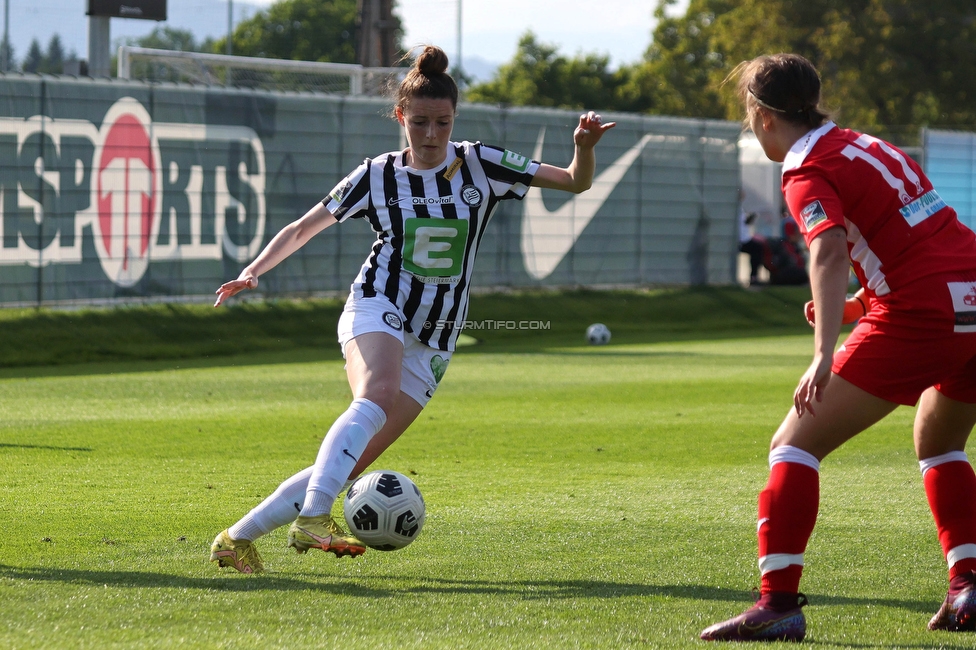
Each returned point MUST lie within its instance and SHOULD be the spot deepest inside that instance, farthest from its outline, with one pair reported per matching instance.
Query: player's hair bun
(427, 78)
(432, 61)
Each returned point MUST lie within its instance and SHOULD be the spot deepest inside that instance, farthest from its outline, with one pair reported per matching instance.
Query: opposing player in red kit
(861, 202)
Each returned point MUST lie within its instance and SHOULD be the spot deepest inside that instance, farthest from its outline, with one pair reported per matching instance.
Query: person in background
(785, 260)
(782, 256)
(751, 245)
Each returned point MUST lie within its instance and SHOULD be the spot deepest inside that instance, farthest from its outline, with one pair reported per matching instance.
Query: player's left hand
(591, 128)
(854, 309)
(812, 385)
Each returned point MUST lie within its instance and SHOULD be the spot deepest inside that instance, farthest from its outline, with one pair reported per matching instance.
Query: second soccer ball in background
(598, 334)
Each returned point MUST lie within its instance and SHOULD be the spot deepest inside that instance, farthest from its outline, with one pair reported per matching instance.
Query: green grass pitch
(577, 497)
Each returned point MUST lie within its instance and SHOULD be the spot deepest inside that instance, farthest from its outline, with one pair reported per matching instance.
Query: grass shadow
(219, 582)
(8, 445)
(602, 589)
(535, 590)
(400, 584)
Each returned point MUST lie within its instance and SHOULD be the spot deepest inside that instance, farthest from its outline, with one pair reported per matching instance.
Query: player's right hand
(234, 287)
(811, 387)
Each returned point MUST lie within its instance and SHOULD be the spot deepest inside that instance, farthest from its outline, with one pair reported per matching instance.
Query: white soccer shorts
(423, 367)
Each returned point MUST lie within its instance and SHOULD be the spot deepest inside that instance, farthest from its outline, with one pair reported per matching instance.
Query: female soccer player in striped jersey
(861, 202)
(429, 206)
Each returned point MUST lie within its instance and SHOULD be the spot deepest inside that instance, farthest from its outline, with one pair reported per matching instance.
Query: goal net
(149, 64)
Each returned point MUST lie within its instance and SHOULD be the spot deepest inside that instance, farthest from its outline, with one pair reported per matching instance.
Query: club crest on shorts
(393, 320)
(471, 196)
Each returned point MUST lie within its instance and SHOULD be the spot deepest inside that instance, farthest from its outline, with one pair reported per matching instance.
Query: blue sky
(490, 29)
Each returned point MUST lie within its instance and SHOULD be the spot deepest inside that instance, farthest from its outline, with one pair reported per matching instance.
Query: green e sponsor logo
(434, 247)
(515, 161)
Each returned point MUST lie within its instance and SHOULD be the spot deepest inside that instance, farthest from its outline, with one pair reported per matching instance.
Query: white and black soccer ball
(598, 334)
(385, 510)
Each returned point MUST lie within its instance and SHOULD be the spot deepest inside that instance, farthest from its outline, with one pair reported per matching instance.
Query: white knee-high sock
(277, 510)
(339, 453)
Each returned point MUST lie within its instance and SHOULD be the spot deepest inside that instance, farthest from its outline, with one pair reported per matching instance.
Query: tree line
(888, 65)
(38, 59)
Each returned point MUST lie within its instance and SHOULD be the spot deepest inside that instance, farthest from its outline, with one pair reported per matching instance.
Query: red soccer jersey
(898, 228)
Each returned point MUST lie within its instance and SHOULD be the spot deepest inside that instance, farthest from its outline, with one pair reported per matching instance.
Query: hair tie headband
(773, 108)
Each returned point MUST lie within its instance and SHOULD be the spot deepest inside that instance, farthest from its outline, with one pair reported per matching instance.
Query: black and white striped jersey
(428, 224)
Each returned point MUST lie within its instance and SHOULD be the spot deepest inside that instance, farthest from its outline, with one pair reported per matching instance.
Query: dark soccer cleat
(958, 611)
(776, 616)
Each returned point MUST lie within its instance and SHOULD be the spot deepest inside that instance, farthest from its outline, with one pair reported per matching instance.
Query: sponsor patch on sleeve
(339, 191)
(813, 215)
(515, 161)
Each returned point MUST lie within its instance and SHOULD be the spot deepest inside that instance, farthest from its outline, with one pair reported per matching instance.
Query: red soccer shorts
(916, 337)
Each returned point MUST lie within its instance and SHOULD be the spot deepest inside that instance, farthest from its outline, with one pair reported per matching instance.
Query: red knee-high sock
(787, 513)
(951, 490)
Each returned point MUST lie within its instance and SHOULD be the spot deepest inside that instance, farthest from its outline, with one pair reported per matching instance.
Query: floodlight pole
(230, 27)
(99, 46)
(460, 66)
(230, 41)
(4, 63)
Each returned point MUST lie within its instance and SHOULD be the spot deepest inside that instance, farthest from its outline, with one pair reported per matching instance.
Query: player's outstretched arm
(578, 176)
(288, 240)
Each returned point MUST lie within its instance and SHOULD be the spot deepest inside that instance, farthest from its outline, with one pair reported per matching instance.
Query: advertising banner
(116, 191)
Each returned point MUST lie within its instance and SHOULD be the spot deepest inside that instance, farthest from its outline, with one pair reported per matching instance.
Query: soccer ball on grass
(384, 509)
(598, 334)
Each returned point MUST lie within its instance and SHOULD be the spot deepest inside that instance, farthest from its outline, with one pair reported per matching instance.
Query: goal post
(151, 64)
